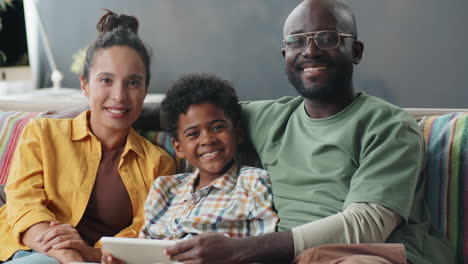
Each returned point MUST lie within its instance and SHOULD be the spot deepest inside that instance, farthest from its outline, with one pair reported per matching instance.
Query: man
(345, 166)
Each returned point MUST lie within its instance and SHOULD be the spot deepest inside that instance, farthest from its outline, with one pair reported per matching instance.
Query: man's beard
(325, 93)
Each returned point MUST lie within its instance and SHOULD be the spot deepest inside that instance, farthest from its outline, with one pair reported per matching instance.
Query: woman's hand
(107, 258)
(37, 231)
(57, 234)
(65, 236)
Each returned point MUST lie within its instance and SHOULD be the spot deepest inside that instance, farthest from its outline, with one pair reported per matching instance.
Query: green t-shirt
(370, 152)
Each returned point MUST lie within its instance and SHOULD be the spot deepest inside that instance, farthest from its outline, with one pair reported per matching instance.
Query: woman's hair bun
(111, 21)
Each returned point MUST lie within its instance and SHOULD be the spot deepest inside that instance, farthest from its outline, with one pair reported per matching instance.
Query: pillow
(11, 126)
(446, 175)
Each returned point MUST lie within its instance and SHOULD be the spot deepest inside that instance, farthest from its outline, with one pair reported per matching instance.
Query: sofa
(445, 132)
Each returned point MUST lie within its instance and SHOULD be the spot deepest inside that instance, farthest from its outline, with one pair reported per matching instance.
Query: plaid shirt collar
(226, 182)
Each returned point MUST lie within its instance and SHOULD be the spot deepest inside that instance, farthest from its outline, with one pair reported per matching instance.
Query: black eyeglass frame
(314, 33)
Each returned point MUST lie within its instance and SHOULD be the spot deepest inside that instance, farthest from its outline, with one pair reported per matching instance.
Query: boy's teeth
(210, 155)
(115, 111)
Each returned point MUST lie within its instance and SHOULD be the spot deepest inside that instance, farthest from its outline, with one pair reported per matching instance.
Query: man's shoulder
(378, 107)
(259, 110)
(379, 114)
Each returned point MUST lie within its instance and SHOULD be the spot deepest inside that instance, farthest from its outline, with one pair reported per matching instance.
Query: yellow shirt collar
(81, 130)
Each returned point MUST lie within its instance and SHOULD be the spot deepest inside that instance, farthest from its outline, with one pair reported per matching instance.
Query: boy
(202, 114)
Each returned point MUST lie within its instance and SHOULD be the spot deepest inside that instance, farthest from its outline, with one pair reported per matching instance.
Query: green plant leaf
(78, 60)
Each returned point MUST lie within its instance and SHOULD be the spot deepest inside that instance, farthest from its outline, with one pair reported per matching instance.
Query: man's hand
(207, 248)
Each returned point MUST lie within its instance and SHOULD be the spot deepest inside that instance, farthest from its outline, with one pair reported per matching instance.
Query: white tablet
(138, 251)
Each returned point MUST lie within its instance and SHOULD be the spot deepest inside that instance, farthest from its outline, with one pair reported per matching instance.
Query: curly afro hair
(197, 88)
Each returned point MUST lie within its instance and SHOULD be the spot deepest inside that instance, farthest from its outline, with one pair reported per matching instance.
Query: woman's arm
(63, 255)
(65, 236)
(27, 214)
(25, 188)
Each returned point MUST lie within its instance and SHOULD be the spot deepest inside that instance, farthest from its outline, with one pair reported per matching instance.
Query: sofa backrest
(445, 133)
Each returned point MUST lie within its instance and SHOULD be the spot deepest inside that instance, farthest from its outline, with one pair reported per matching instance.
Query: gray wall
(413, 55)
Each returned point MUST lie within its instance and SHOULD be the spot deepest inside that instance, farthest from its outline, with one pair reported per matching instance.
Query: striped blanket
(12, 124)
(446, 177)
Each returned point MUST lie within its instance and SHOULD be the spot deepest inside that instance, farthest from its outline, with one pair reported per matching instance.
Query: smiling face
(207, 138)
(115, 89)
(315, 73)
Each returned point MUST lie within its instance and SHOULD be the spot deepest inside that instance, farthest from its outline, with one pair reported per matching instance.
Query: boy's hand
(107, 258)
(207, 248)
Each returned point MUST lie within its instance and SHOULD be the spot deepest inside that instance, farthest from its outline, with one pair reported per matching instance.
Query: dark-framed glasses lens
(327, 39)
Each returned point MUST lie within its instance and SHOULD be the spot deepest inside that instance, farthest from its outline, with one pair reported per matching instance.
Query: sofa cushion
(446, 174)
(11, 126)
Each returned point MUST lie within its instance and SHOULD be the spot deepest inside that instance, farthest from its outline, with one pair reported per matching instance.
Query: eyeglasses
(325, 40)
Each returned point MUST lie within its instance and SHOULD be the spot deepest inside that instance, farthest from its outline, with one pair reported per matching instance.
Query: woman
(75, 180)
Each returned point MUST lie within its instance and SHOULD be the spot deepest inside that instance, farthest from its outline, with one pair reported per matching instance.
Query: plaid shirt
(237, 204)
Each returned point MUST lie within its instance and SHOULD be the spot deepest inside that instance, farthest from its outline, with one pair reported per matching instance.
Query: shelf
(17, 73)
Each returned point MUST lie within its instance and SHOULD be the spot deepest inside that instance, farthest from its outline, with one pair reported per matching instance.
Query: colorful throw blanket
(11, 126)
(446, 174)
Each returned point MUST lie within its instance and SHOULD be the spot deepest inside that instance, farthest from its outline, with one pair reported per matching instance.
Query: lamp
(35, 29)
(56, 75)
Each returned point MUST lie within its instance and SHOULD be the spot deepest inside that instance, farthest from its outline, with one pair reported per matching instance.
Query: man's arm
(213, 247)
(358, 223)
